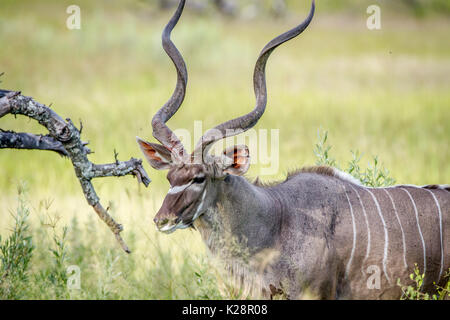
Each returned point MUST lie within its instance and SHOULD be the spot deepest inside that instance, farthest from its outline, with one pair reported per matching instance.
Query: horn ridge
(243, 123)
(161, 131)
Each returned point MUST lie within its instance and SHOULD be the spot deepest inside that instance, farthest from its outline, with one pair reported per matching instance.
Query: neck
(242, 214)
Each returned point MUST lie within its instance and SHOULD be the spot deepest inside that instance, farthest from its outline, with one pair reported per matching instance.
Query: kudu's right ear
(236, 160)
(157, 155)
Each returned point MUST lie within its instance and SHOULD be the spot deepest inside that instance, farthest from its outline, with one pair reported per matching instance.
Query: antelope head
(194, 177)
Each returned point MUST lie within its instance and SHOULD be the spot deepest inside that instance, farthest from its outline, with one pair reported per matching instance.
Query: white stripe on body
(368, 229)
(420, 231)
(347, 269)
(401, 228)
(386, 236)
(440, 232)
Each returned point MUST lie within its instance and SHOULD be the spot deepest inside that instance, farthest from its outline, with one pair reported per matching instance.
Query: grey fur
(307, 221)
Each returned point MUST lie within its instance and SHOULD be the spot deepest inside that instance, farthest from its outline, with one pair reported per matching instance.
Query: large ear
(157, 155)
(236, 160)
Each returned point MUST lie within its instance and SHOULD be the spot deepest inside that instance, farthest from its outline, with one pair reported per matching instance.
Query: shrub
(16, 252)
(373, 176)
(415, 291)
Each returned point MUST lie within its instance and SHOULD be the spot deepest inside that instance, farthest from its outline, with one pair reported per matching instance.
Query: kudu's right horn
(236, 126)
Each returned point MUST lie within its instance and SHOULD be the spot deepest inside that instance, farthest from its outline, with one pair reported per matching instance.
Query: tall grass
(35, 261)
(15, 253)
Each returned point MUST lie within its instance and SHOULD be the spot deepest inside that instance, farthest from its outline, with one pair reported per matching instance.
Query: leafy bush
(415, 291)
(16, 253)
(373, 176)
(17, 279)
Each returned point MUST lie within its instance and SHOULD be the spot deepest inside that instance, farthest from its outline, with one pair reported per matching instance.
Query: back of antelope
(319, 231)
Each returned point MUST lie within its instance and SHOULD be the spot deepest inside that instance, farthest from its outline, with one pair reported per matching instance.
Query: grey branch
(64, 138)
(14, 140)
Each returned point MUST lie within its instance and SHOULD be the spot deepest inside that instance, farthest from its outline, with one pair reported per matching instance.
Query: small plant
(322, 150)
(54, 275)
(444, 292)
(414, 291)
(106, 283)
(16, 252)
(372, 176)
(59, 254)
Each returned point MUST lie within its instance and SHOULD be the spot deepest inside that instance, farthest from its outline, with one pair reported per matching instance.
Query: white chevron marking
(420, 231)
(440, 232)
(368, 228)
(347, 269)
(386, 236)
(401, 228)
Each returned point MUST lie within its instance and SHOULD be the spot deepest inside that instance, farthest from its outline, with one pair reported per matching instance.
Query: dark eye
(199, 179)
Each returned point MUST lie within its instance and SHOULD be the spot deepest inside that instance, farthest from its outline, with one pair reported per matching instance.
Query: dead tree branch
(64, 138)
(22, 140)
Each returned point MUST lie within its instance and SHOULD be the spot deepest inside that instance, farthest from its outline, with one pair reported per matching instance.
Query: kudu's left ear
(236, 160)
(157, 155)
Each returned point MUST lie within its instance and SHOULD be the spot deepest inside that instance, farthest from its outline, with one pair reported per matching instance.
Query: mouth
(179, 223)
(168, 229)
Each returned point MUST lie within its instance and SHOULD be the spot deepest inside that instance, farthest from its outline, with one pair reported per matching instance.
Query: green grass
(385, 93)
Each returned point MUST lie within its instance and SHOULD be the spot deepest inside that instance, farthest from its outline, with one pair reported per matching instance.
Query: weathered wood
(22, 140)
(64, 138)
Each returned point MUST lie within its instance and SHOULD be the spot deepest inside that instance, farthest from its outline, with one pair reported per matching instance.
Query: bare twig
(64, 138)
(16, 140)
(116, 155)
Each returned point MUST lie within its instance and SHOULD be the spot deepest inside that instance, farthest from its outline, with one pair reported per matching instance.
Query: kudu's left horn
(161, 131)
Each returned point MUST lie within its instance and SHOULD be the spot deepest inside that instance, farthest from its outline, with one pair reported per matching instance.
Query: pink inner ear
(241, 157)
(152, 154)
(149, 150)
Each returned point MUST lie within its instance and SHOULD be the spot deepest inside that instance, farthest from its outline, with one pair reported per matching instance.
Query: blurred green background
(384, 92)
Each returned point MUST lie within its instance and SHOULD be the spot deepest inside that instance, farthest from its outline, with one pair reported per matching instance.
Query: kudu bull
(318, 231)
